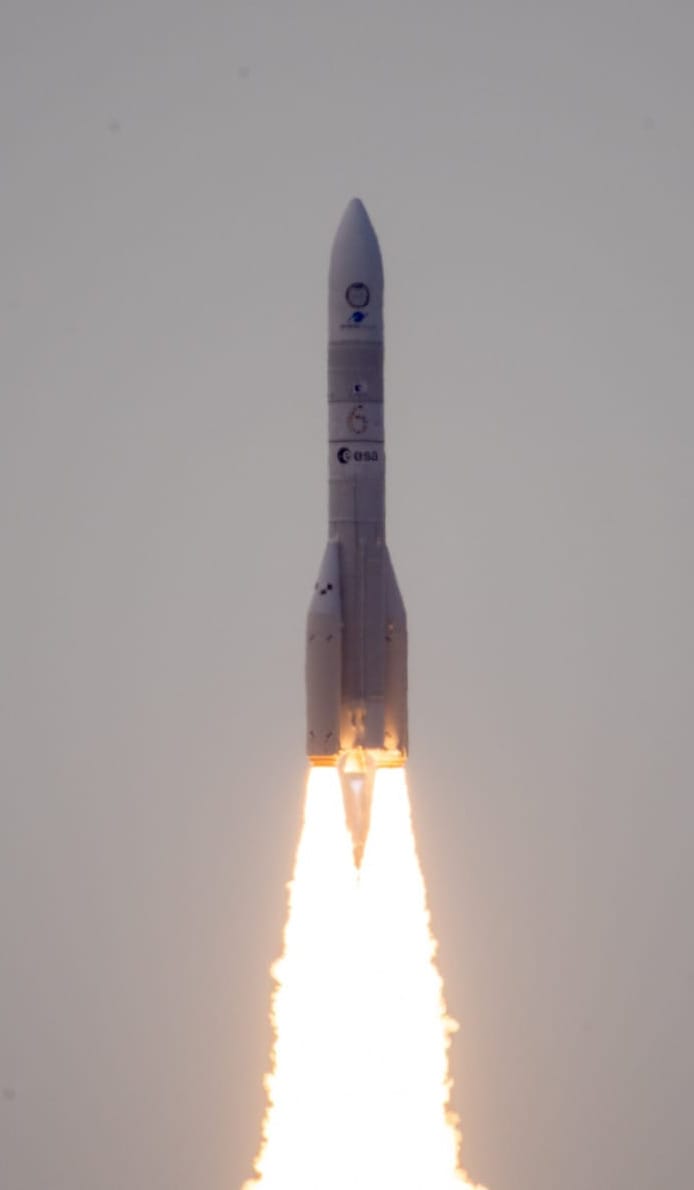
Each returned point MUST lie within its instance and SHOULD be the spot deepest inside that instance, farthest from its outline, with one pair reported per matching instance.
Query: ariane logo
(344, 455)
(357, 295)
(360, 389)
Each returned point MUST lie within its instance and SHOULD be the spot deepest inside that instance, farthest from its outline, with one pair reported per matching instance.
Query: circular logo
(344, 454)
(357, 420)
(357, 295)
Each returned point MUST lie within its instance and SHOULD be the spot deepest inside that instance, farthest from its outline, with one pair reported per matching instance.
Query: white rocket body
(356, 649)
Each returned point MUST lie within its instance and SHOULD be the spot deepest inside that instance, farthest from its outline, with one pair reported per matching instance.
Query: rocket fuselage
(356, 657)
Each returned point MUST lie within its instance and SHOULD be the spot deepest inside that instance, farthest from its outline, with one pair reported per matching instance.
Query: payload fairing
(356, 647)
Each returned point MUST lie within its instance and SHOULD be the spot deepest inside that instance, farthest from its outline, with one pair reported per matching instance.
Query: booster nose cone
(355, 282)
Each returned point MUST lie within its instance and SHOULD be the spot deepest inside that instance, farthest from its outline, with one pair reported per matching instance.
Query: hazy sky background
(171, 176)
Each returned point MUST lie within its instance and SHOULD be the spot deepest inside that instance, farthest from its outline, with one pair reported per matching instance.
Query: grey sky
(171, 175)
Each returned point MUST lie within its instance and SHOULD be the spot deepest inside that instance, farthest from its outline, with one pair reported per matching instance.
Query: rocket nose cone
(356, 238)
(356, 219)
(356, 277)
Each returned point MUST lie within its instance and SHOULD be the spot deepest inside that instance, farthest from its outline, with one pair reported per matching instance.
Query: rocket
(356, 641)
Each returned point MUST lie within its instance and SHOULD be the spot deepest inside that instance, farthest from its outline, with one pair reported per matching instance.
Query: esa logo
(344, 455)
(356, 317)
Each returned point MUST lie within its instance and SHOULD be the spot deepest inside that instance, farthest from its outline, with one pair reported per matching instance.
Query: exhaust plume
(358, 1093)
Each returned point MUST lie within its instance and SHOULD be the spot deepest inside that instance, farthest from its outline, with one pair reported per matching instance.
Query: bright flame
(359, 1091)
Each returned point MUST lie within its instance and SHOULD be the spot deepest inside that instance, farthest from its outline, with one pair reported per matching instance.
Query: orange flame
(359, 1089)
